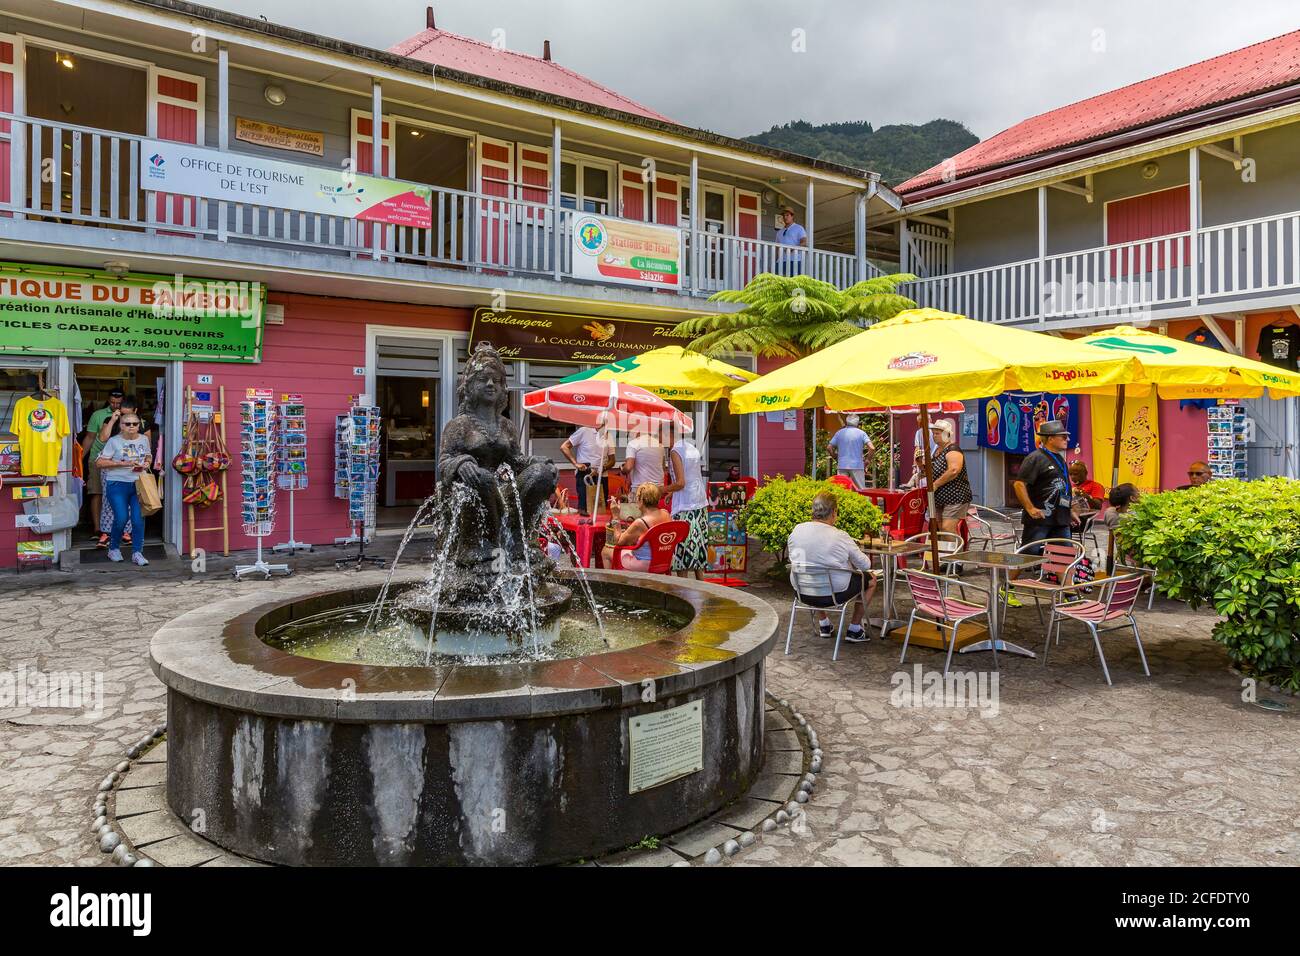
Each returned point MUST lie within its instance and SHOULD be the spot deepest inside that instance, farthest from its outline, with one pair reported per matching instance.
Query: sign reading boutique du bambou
(81, 313)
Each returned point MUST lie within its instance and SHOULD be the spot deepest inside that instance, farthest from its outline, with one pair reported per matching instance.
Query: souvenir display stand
(291, 466)
(258, 447)
(728, 547)
(1226, 454)
(356, 477)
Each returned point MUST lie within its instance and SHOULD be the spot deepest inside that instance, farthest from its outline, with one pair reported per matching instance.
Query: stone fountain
(470, 710)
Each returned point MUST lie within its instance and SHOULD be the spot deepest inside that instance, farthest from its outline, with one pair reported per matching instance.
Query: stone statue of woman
(475, 446)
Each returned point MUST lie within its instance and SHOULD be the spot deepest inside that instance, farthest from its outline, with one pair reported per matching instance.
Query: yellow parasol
(672, 373)
(1177, 369)
(924, 355)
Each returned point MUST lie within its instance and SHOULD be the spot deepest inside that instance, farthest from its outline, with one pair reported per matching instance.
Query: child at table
(1121, 498)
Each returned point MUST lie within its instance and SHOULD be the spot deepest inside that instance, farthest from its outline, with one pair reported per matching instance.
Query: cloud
(731, 65)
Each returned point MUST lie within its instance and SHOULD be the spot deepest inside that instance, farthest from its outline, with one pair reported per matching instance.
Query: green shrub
(1234, 545)
(779, 505)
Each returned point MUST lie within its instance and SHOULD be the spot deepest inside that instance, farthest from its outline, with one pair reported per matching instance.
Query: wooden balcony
(81, 176)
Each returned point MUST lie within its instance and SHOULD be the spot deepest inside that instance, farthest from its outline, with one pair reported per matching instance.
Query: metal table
(996, 561)
(890, 551)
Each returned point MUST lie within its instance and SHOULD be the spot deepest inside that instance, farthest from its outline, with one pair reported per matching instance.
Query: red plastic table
(588, 535)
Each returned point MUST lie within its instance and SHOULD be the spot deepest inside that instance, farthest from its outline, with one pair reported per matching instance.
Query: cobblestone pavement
(1177, 769)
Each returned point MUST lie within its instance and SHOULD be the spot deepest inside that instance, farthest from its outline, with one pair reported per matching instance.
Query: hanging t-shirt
(1279, 344)
(1201, 336)
(41, 425)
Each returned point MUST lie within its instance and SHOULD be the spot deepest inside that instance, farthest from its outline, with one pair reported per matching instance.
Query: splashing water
(555, 536)
(377, 609)
(524, 546)
(459, 495)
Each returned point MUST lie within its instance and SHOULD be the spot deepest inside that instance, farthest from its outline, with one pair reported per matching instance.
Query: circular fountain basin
(298, 760)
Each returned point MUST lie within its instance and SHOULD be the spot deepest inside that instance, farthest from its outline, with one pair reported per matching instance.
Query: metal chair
(984, 535)
(1121, 595)
(817, 583)
(949, 543)
(1063, 556)
(930, 598)
(1148, 573)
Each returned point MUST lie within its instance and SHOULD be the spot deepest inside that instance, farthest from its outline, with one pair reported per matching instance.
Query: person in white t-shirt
(584, 450)
(819, 544)
(645, 461)
(690, 503)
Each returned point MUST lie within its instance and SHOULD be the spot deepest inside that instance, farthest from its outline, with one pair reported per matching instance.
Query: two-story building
(1172, 203)
(238, 167)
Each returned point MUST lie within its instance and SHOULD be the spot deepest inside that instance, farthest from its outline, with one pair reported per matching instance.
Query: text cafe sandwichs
(559, 337)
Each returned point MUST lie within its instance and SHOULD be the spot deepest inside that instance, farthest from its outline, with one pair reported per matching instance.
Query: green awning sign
(45, 311)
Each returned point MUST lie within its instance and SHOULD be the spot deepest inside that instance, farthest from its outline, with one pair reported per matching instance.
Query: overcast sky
(731, 65)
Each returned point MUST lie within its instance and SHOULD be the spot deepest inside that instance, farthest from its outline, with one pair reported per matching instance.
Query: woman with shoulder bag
(123, 459)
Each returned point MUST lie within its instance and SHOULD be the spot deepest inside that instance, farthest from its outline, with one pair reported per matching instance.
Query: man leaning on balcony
(791, 234)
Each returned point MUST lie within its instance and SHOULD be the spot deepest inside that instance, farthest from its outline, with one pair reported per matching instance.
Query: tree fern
(792, 316)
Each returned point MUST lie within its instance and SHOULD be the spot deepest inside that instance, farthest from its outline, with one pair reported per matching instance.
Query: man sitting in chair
(819, 544)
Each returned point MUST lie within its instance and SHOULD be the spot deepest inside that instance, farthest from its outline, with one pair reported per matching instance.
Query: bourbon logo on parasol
(912, 361)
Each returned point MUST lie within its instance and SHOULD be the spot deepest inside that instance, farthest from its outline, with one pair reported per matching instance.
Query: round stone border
(215, 655)
(801, 795)
(111, 840)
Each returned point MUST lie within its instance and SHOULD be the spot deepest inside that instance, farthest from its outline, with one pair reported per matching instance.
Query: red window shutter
(668, 202)
(1150, 216)
(7, 105)
(633, 195)
(178, 106)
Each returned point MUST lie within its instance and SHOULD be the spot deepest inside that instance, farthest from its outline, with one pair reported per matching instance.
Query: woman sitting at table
(647, 496)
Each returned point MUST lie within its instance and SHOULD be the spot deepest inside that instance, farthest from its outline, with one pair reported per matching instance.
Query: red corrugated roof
(1222, 79)
(482, 59)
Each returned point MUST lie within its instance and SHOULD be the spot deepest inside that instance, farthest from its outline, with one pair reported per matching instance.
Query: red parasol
(623, 407)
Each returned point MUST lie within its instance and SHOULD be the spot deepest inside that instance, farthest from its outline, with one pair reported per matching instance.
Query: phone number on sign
(173, 346)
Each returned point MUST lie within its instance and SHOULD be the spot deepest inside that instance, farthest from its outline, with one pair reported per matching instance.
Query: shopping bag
(146, 489)
(63, 511)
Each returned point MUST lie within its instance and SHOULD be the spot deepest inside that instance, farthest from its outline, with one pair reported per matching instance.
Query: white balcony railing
(78, 175)
(1225, 263)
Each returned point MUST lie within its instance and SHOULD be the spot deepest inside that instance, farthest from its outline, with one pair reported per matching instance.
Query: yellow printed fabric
(672, 374)
(1139, 443)
(1179, 369)
(41, 427)
(924, 355)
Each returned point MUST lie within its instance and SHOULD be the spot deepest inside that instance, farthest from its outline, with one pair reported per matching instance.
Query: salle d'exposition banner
(633, 253)
(235, 177)
(1009, 422)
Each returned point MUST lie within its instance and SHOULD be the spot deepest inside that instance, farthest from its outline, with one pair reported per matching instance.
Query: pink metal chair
(1120, 597)
(930, 598)
(1054, 574)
